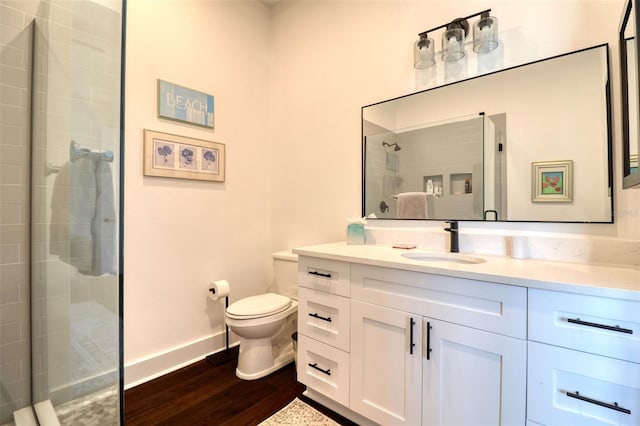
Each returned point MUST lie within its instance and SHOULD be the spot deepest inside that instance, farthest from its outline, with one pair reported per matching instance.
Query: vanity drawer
(487, 306)
(324, 317)
(567, 387)
(599, 325)
(324, 369)
(325, 275)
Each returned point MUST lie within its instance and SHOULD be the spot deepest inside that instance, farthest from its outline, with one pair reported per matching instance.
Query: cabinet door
(386, 373)
(472, 377)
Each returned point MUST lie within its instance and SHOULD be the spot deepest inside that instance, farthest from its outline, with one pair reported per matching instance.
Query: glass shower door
(75, 220)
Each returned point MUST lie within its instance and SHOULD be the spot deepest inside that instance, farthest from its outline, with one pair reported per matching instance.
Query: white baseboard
(145, 369)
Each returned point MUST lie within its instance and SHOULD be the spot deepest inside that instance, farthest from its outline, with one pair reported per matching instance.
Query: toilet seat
(258, 306)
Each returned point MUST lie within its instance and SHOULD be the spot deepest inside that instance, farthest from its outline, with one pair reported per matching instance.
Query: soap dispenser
(429, 187)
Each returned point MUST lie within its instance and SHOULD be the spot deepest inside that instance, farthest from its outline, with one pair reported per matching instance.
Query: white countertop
(598, 280)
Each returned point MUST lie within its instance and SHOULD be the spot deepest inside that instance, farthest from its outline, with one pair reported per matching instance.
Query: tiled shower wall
(15, 79)
(76, 97)
(72, 77)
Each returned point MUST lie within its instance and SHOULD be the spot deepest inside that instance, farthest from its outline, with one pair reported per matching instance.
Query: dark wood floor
(203, 394)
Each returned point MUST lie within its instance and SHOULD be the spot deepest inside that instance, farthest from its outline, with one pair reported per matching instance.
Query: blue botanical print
(187, 154)
(165, 151)
(209, 156)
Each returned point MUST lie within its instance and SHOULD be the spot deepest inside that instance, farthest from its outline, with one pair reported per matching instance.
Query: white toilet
(266, 322)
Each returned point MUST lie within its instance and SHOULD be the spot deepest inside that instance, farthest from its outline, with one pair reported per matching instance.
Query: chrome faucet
(453, 231)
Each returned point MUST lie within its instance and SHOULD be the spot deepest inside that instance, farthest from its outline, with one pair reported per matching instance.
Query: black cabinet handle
(603, 326)
(428, 340)
(315, 366)
(411, 344)
(613, 406)
(327, 319)
(319, 274)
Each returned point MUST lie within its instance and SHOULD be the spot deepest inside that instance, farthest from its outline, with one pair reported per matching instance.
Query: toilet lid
(259, 305)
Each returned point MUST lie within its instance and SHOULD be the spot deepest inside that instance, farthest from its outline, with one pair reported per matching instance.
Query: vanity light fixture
(395, 145)
(453, 40)
(485, 33)
(485, 39)
(424, 55)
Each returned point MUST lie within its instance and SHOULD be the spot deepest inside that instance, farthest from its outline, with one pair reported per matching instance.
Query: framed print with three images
(552, 181)
(181, 157)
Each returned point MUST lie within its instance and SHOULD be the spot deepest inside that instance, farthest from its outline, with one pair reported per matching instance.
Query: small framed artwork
(181, 157)
(183, 104)
(552, 182)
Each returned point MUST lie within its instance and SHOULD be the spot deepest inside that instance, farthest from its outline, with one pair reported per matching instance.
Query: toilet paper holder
(228, 354)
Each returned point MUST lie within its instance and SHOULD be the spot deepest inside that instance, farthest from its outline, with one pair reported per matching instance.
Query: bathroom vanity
(390, 337)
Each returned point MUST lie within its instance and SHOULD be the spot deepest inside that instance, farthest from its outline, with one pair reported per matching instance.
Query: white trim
(46, 414)
(25, 417)
(159, 364)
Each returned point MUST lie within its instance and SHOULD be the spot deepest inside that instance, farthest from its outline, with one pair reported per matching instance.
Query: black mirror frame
(609, 119)
(629, 180)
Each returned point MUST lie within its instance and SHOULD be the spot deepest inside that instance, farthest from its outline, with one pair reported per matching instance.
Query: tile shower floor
(100, 409)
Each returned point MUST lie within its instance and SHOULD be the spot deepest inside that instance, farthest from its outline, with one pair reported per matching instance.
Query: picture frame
(186, 105)
(552, 181)
(181, 157)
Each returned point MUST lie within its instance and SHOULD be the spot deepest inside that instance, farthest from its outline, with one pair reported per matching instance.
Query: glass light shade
(453, 45)
(423, 53)
(485, 34)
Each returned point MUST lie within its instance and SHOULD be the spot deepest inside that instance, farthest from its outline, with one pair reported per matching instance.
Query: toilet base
(286, 357)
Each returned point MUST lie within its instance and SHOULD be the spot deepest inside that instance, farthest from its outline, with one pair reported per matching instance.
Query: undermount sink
(443, 257)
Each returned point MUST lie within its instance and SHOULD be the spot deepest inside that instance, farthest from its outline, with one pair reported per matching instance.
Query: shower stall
(61, 65)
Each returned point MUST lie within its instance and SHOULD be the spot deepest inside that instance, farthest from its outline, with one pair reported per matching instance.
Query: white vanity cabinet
(420, 352)
(323, 327)
(497, 343)
(584, 359)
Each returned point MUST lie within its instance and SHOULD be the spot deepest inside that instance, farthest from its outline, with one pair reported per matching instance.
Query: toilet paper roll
(218, 289)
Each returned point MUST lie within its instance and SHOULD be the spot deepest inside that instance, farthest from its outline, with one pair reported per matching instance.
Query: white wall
(289, 84)
(181, 234)
(331, 58)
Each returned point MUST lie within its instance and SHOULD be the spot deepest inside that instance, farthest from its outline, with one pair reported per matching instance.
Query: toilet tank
(285, 273)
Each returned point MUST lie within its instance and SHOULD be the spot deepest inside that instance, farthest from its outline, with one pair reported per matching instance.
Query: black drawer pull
(428, 340)
(411, 344)
(315, 366)
(613, 406)
(596, 325)
(327, 319)
(319, 274)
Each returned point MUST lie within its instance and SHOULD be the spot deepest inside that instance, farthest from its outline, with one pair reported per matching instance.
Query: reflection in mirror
(443, 178)
(483, 148)
(629, 84)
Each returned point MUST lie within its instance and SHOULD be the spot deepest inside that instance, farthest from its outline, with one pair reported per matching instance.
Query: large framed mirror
(530, 143)
(630, 95)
